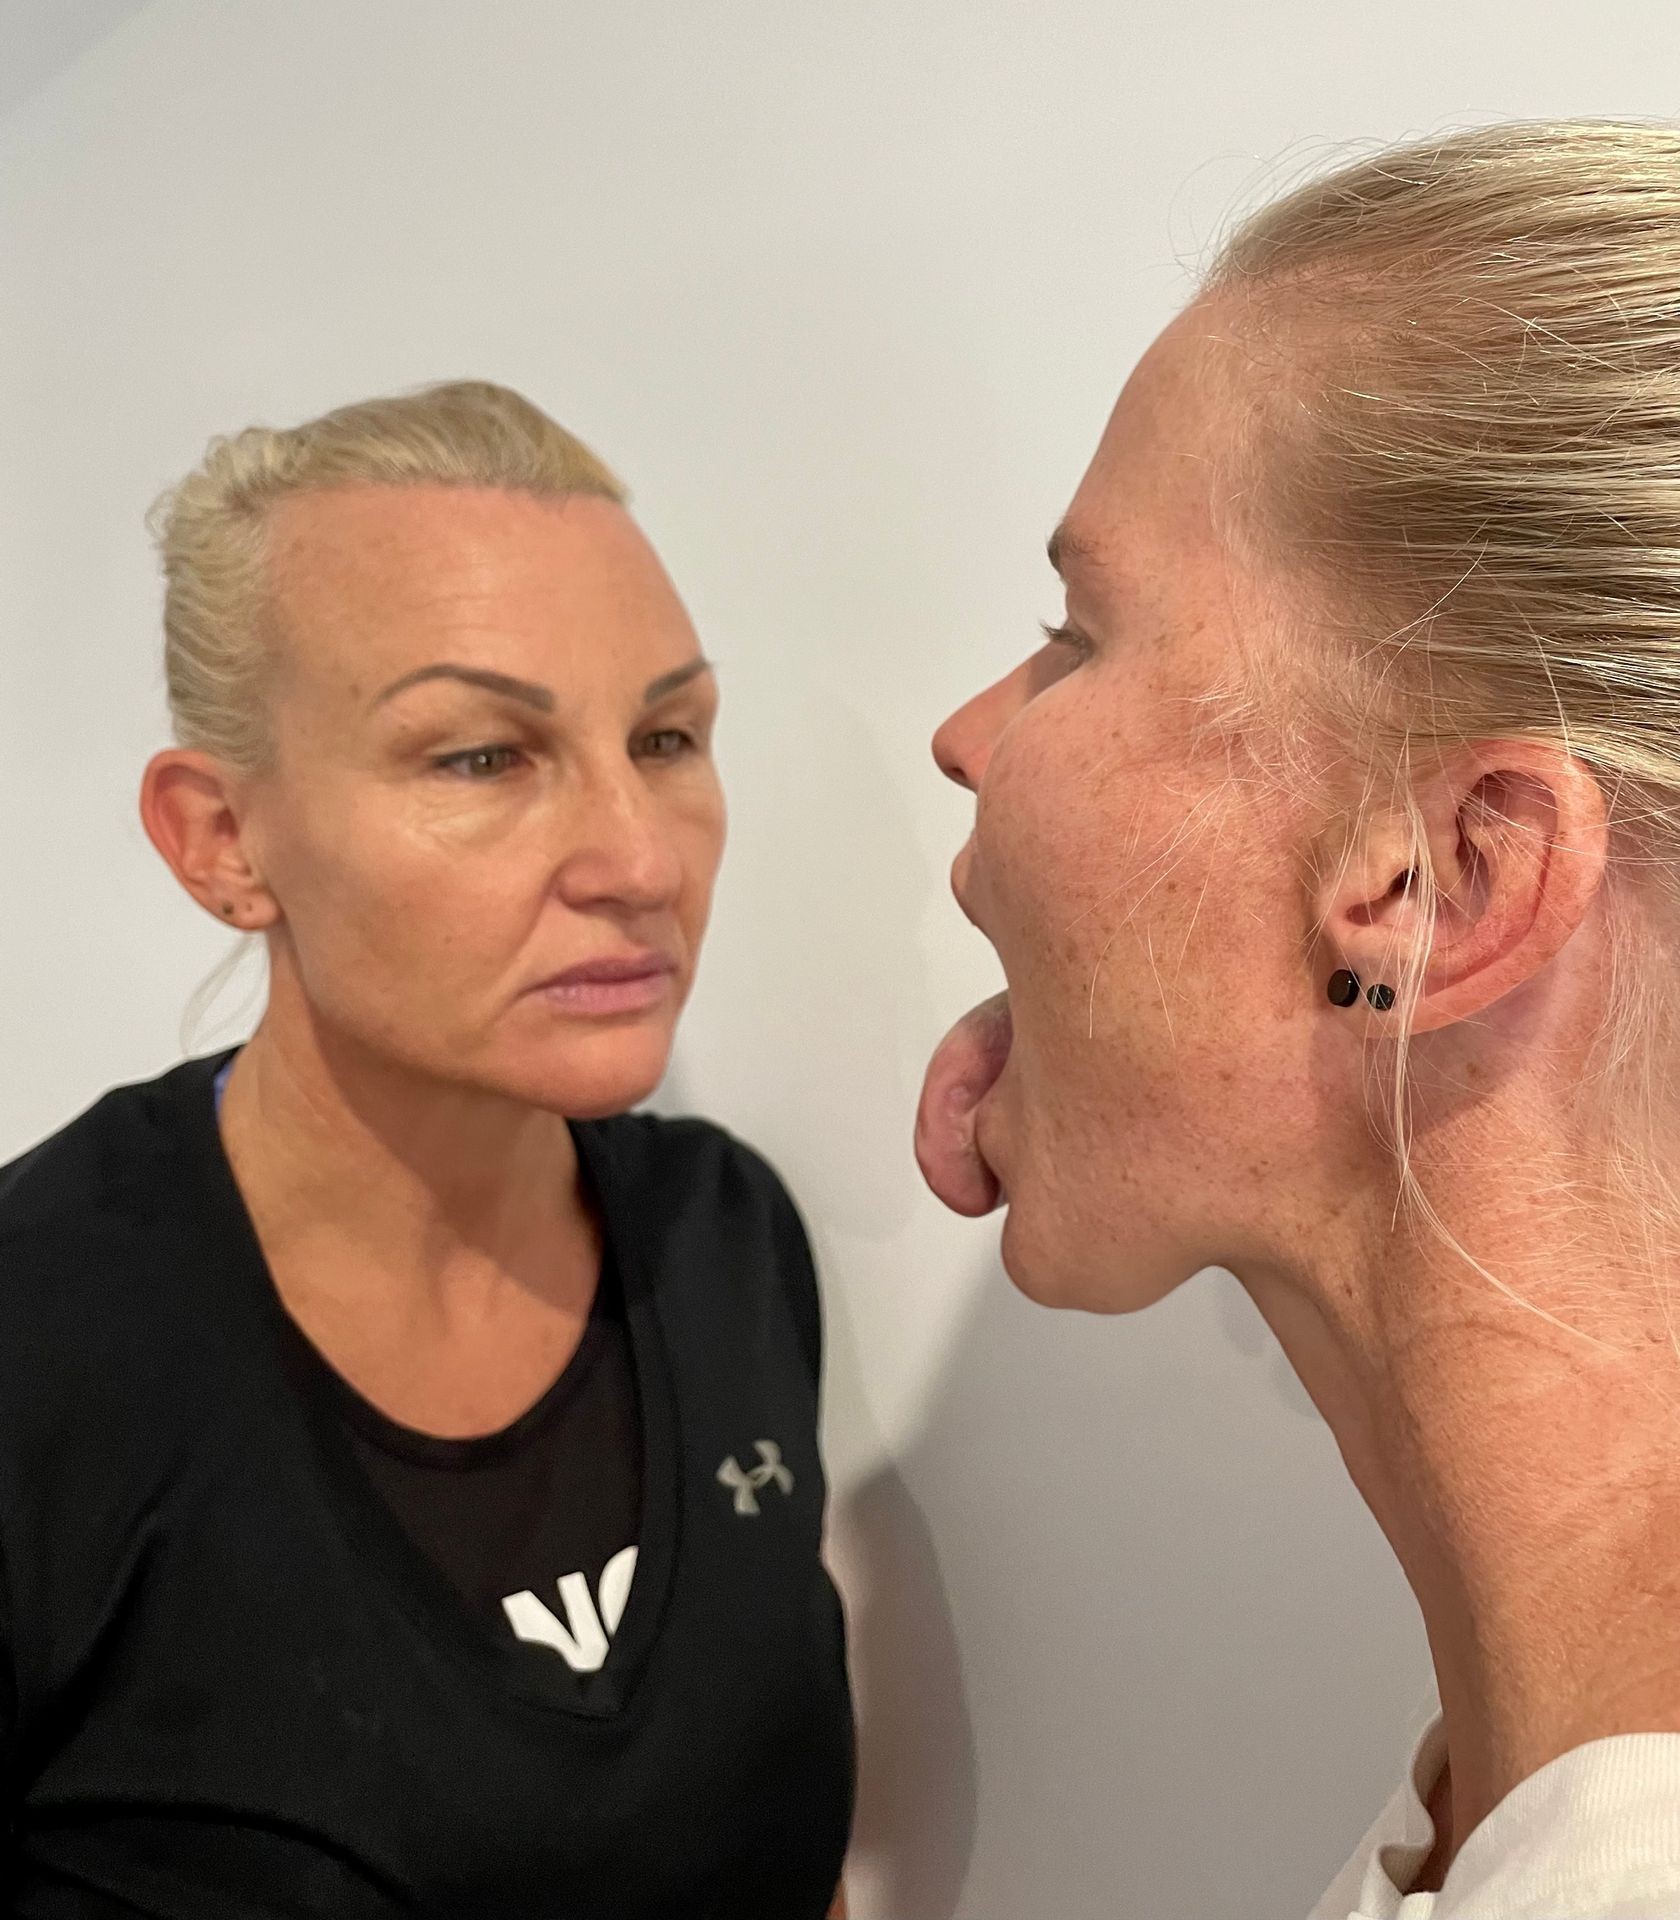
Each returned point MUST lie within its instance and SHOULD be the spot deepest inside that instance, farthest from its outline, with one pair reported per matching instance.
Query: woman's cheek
(1019, 800)
(1053, 846)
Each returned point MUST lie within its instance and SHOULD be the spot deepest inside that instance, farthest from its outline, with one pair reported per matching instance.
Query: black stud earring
(1343, 989)
(1382, 998)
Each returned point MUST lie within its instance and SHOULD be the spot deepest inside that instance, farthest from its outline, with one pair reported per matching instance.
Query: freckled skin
(1500, 1377)
(1145, 905)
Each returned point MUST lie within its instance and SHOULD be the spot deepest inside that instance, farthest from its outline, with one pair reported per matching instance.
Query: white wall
(846, 290)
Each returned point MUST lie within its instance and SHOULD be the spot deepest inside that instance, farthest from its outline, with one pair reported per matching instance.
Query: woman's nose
(963, 745)
(948, 754)
(626, 852)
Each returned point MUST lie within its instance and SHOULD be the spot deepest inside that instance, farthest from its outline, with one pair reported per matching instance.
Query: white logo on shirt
(748, 1483)
(583, 1637)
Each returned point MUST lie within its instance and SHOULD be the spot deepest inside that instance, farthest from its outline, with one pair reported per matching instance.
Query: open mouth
(965, 1067)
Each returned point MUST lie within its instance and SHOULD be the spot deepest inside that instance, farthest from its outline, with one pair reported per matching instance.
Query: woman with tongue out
(1330, 846)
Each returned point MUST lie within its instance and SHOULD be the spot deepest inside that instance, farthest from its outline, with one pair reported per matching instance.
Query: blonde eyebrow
(1066, 545)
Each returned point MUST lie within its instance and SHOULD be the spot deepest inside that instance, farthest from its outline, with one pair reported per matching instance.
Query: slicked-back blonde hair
(1472, 445)
(212, 529)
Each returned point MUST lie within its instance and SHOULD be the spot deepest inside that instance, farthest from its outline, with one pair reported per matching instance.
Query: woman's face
(493, 822)
(1143, 889)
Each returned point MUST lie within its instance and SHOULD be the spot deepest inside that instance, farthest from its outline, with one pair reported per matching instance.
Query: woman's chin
(609, 1074)
(1051, 1275)
(1035, 1273)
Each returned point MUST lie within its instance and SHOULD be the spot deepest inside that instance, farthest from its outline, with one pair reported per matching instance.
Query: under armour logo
(746, 1483)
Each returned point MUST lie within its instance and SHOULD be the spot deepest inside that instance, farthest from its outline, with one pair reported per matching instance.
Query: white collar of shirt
(1594, 1835)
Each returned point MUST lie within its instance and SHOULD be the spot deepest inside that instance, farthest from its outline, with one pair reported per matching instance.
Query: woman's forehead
(1148, 500)
(356, 540)
(381, 574)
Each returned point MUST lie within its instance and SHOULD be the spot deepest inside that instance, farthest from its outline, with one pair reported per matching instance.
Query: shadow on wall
(1186, 1657)
(915, 1827)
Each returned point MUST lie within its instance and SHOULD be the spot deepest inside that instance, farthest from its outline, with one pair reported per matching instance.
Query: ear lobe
(1517, 839)
(185, 814)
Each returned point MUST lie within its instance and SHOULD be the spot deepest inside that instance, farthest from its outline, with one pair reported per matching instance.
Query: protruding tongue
(963, 1071)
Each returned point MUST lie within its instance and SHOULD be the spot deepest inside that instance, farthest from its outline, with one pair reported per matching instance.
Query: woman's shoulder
(98, 1179)
(703, 1207)
(686, 1154)
(104, 1157)
(100, 1354)
(1592, 1835)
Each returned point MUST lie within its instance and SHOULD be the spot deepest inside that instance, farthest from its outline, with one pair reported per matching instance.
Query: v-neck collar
(216, 1221)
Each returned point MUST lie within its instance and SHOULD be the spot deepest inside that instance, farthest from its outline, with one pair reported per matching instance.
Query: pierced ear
(186, 811)
(1516, 835)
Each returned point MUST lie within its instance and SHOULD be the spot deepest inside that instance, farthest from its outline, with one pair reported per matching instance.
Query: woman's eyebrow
(524, 690)
(669, 683)
(528, 691)
(1067, 545)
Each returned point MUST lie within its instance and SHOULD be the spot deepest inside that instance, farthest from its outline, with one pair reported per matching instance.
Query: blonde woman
(1331, 849)
(409, 1490)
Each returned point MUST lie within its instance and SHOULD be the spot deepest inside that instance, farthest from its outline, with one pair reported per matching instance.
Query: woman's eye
(1069, 639)
(667, 744)
(478, 763)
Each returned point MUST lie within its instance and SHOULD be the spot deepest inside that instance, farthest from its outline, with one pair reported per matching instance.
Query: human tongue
(964, 1069)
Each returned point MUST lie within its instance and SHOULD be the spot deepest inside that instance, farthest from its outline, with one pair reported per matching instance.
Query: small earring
(1382, 998)
(1343, 989)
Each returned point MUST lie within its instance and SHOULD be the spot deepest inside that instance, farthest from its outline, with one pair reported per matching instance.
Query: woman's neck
(1521, 1451)
(374, 1164)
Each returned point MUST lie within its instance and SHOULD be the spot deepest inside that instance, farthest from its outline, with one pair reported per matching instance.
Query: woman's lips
(964, 1069)
(633, 984)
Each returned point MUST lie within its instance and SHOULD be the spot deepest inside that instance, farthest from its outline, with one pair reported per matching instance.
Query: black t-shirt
(536, 1524)
(243, 1672)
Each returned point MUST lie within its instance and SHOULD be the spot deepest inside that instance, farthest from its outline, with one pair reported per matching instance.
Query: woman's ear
(1497, 866)
(190, 818)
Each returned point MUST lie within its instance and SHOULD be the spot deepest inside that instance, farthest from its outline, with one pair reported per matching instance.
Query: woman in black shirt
(409, 1488)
